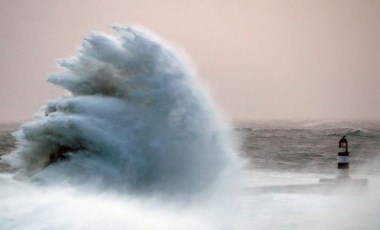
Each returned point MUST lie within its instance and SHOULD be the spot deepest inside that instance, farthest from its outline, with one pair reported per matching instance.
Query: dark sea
(276, 153)
(312, 147)
(7, 141)
(291, 146)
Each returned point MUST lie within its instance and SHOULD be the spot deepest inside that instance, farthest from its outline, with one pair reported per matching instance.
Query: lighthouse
(343, 159)
(343, 184)
(343, 179)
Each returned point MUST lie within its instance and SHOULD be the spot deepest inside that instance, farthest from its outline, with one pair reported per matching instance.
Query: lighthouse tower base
(334, 187)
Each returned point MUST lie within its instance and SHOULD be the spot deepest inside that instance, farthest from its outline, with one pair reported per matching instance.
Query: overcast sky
(283, 59)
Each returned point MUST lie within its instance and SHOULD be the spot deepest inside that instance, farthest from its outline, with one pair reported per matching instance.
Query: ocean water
(136, 143)
(309, 146)
(7, 142)
(276, 153)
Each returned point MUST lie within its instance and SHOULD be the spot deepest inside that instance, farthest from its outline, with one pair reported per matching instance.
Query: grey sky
(316, 59)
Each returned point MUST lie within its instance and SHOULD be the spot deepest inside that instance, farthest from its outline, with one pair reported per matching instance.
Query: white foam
(136, 120)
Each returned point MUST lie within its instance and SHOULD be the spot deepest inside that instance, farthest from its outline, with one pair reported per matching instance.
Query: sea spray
(135, 120)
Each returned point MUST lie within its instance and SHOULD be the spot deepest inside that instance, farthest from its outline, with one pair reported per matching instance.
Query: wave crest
(136, 120)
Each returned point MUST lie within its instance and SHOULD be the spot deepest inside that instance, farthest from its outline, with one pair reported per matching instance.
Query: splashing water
(135, 120)
(137, 144)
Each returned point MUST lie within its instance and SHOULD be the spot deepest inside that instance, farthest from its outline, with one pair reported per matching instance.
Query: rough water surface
(135, 119)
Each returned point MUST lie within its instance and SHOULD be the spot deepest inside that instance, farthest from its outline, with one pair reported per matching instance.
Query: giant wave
(134, 119)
